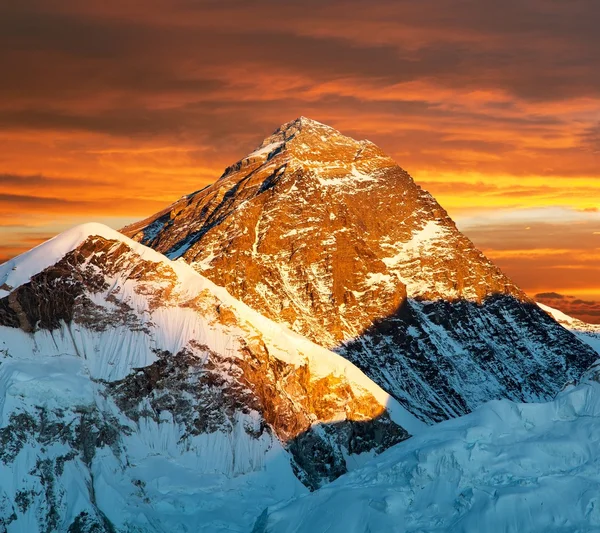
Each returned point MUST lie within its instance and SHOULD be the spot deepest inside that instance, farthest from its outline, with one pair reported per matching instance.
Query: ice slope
(131, 415)
(69, 457)
(505, 468)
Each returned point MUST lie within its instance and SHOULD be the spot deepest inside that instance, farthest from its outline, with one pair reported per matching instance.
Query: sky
(110, 110)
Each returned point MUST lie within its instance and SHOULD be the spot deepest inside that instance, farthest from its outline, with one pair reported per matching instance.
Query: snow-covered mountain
(212, 388)
(329, 236)
(505, 468)
(587, 333)
(137, 396)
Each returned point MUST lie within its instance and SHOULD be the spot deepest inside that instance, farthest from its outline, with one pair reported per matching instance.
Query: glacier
(505, 468)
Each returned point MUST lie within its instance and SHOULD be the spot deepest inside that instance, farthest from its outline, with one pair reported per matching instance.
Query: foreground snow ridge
(506, 468)
(19, 270)
(136, 395)
(77, 453)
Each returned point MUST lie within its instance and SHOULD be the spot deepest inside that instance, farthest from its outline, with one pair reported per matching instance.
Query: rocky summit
(329, 236)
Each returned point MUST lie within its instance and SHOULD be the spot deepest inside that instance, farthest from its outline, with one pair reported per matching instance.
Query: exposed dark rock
(466, 352)
(84, 523)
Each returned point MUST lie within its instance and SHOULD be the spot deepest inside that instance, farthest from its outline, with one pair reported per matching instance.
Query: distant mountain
(586, 333)
(137, 396)
(329, 236)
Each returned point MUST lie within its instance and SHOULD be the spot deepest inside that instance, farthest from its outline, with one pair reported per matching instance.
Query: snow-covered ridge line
(323, 362)
(563, 318)
(20, 269)
(587, 333)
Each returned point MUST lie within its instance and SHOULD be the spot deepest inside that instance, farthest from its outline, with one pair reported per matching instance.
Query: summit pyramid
(331, 237)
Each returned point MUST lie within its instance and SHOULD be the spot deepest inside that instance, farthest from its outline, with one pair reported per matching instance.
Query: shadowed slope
(443, 359)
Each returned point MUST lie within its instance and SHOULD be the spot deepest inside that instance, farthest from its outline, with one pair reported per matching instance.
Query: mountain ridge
(132, 388)
(138, 393)
(586, 332)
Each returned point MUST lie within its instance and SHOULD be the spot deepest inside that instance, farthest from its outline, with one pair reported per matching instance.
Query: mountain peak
(304, 122)
(330, 236)
(310, 145)
(20, 269)
(359, 236)
(311, 132)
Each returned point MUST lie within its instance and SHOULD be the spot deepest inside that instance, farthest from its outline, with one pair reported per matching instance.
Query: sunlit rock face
(323, 232)
(331, 237)
(132, 388)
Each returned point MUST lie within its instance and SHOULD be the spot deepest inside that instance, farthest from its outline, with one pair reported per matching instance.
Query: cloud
(520, 46)
(549, 296)
(22, 181)
(582, 221)
(34, 201)
(110, 108)
(590, 138)
(25, 205)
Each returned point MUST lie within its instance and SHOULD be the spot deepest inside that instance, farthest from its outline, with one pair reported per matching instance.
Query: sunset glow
(110, 111)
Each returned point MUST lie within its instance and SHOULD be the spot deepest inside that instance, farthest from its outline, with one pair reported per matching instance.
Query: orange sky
(110, 110)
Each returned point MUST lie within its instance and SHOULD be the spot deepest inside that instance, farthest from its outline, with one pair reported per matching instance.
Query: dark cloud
(25, 200)
(590, 139)
(105, 205)
(537, 50)
(588, 303)
(550, 295)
